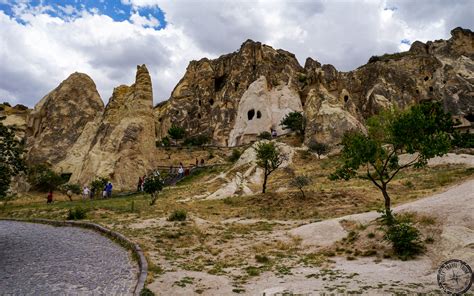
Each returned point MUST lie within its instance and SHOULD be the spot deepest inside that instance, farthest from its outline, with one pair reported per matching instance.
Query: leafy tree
(11, 161)
(319, 148)
(269, 158)
(294, 121)
(70, 189)
(236, 153)
(423, 131)
(43, 178)
(176, 132)
(153, 184)
(300, 182)
(98, 185)
(265, 136)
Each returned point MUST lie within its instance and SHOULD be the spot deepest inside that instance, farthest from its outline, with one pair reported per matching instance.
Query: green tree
(269, 158)
(265, 136)
(300, 182)
(43, 178)
(11, 160)
(176, 132)
(318, 148)
(153, 185)
(98, 185)
(422, 131)
(294, 121)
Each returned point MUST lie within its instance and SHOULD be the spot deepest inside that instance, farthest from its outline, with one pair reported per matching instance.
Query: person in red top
(50, 197)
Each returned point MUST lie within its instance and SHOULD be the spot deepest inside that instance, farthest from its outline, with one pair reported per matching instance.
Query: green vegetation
(176, 132)
(318, 148)
(178, 215)
(70, 189)
(77, 213)
(236, 153)
(269, 158)
(300, 182)
(423, 131)
(153, 185)
(198, 140)
(294, 121)
(405, 239)
(98, 185)
(44, 179)
(11, 161)
(265, 136)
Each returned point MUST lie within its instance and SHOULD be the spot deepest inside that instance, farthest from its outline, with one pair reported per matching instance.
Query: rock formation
(206, 100)
(60, 118)
(215, 97)
(123, 148)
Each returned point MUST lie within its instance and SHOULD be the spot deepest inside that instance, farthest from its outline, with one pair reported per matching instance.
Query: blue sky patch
(405, 41)
(70, 9)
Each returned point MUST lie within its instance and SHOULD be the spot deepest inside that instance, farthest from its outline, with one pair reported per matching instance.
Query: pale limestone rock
(123, 148)
(261, 109)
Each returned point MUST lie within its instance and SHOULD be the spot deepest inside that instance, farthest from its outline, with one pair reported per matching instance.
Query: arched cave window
(444, 81)
(417, 91)
(160, 119)
(259, 114)
(236, 85)
(346, 98)
(426, 78)
(251, 114)
(199, 115)
(254, 67)
(431, 88)
(211, 102)
(199, 102)
(177, 112)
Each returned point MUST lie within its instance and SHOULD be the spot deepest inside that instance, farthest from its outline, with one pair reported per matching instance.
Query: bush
(178, 215)
(405, 239)
(318, 148)
(146, 292)
(300, 182)
(463, 140)
(176, 132)
(153, 184)
(77, 214)
(265, 136)
(294, 121)
(98, 184)
(236, 153)
(43, 178)
(198, 140)
(74, 188)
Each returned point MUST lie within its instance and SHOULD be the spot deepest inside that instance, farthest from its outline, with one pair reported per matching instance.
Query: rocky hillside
(234, 98)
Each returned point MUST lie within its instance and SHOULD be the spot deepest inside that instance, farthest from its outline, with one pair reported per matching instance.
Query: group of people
(90, 192)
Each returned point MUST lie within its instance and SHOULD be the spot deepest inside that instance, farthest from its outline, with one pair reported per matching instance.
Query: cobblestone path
(37, 259)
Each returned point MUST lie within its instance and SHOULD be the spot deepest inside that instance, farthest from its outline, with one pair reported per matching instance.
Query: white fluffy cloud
(41, 50)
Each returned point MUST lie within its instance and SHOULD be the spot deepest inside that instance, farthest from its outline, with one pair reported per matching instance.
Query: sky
(42, 42)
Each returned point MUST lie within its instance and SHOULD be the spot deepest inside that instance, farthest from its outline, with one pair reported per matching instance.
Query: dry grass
(209, 242)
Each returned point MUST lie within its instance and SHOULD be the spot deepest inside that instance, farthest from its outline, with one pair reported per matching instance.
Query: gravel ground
(37, 259)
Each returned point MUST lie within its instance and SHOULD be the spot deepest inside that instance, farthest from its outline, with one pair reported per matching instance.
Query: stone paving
(37, 259)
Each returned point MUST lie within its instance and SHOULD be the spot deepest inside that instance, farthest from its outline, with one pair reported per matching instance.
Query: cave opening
(470, 117)
(236, 86)
(426, 78)
(346, 98)
(199, 102)
(250, 114)
(211, 101)
(199, 115)
(219, 83)
(259, 114)
(431, 88)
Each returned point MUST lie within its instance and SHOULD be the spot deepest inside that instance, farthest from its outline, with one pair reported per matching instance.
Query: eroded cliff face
(60, 118)
(215, 96)
(123, 147)
(206, 100)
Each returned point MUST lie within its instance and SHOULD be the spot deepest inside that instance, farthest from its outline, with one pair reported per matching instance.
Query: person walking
(109, 189)
(50, 197)
(181, 172)
(85, 193)
(140, 184)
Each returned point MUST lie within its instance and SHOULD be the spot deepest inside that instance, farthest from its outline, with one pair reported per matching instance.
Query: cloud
(43, 44)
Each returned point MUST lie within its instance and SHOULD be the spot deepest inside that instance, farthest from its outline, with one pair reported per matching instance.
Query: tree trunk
(265, 176)
(386, 198)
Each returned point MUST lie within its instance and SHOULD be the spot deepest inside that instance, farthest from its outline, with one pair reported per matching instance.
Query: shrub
(294, 121)
(74, 188)
(146, 292)
(405, 239)
(236, 153)
(77, 214)
(463, 140)
(43, 178)
(153, 184)
(265, 136)
(318, 148)
(198, 140)
(300, 182)
(262, 259)
(98, 184)
(176, 132)
(178, 215)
